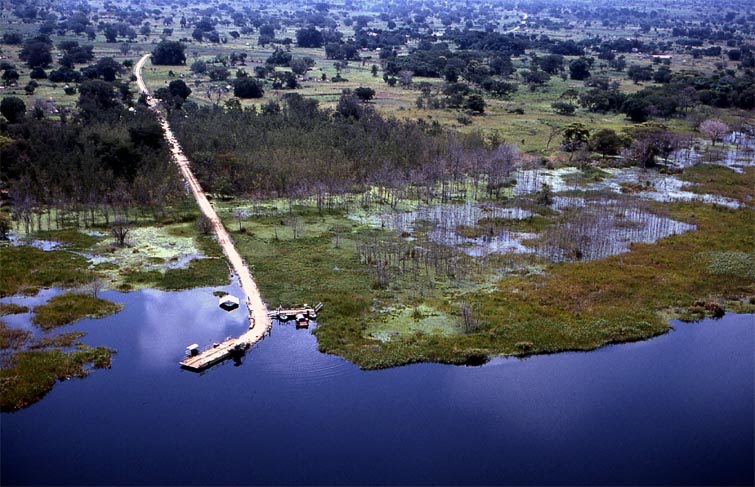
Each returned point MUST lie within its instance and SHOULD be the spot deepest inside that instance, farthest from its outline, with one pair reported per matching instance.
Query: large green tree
(36, 52)
(607, 142)
(309, 37)
(247, 88)
(575, 136)
(169, 53)
(13, 108)
(364, 94)
(579, 69)
(475, 103)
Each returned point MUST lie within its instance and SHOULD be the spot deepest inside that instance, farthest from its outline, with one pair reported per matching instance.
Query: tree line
(107, 164)
(295, 149)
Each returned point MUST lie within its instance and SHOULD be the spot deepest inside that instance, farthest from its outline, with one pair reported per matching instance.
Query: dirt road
(259, 320)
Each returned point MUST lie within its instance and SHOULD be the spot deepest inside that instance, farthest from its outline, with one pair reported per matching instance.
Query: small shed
(228, 302)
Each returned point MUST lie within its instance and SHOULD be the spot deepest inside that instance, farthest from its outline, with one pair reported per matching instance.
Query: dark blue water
(677, 409)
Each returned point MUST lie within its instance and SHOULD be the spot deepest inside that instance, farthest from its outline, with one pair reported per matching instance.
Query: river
(677, 409)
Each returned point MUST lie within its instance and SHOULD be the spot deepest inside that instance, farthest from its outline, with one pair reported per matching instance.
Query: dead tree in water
(296, 227)
(500, 165)
(469, 317)
(119, 231)
(241, 214)
(381, 274)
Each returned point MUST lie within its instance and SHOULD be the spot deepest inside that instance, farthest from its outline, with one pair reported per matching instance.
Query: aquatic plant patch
(12, 309)
(13, 338)
(25, 269)
(65, 309)
(28, 375)
(739, 264)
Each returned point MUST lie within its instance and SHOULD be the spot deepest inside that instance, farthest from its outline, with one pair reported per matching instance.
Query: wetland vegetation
(26, 376)
(454, 181)
(68, 308)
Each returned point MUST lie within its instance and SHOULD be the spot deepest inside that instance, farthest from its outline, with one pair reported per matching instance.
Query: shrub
(563, 108)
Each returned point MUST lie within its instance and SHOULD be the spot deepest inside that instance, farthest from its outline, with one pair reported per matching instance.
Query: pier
(216, 353)
(259, 319)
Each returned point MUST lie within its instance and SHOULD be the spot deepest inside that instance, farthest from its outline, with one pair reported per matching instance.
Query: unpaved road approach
(260, 322)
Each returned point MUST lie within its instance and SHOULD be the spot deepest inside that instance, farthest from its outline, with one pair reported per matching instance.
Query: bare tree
(96, 286)
(214, 93)
(40, 108)
(469, 316)
(337, 231)
(501, 163)
(241, 214)
(5, 226)
(296, 227)
(381, 274)
(120, 231)
(714, 129)
(405, 77)
(553, 132)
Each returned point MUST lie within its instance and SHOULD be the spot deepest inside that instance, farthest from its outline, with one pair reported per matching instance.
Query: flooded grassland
(560, 259)
(565, 259)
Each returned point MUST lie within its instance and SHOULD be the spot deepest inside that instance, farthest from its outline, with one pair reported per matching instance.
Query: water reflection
(17, 240)
(738, 157)
(591, 229)
(168, 320)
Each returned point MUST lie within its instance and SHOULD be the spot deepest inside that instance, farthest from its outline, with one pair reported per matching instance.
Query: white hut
(228, 302)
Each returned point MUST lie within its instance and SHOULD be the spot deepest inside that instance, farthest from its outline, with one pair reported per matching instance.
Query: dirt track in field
(260, 322)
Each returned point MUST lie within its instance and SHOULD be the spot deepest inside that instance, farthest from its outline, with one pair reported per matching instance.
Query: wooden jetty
(235, 347)
(302, 314)
(231, 347)
(218, 352)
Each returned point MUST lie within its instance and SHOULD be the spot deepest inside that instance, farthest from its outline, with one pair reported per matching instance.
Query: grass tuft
(12, 309)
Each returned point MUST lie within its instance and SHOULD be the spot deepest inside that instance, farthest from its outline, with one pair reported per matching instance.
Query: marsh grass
(562, 306)
(582, 305)
(65, 309)
(61, 340)
(28, 375)
(148, 263)
(209, 271)
(13, 338)
(71, 238)
(532, 224)
(26, 269)
(201, 272)
(587, 174)
(721, 180)
(738, 264)
(12, 309)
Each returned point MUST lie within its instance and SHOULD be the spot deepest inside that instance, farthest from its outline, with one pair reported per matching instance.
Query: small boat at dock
(302, 321)
(301, 314)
